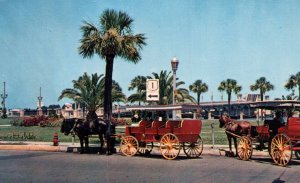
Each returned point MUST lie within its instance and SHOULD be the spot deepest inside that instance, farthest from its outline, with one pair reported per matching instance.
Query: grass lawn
(45, 134)
(33, 133)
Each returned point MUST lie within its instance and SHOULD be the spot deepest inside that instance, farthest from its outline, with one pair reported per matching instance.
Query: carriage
(282, 140)
(170, 136)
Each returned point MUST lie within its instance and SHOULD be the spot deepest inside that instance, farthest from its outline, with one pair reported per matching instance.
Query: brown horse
(239, 128)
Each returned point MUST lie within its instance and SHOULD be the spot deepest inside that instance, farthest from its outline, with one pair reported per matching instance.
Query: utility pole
(3, 96)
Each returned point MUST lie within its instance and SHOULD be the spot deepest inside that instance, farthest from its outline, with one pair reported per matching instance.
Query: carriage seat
(140, 129)
(169, 127)
(189, 126)
(154, 127)
(293, 127)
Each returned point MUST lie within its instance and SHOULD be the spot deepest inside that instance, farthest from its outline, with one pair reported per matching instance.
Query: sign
(152, 90)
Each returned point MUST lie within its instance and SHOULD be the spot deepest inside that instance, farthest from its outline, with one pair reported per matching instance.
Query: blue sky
(213, 40)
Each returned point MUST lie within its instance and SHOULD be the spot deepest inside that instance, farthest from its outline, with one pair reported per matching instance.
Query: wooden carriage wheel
(297, 154)
(281, 149)
(129, 145)
(146, 148)
(193, 149)
(169, 146)
(245, 148)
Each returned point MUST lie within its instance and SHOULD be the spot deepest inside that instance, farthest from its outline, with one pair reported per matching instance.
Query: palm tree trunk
(140, 98)
(198, 99)
(108, 88)
(261, 99)
(108, 100)
(229, 99)
(261, 96)
(299, 92)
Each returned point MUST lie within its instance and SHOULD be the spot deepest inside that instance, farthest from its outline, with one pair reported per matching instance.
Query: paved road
(33, 166)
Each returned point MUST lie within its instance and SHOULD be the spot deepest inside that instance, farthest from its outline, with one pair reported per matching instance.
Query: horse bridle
(72, 131)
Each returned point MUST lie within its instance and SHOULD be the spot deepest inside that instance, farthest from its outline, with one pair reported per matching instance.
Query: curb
(31, 148)
(65, 147)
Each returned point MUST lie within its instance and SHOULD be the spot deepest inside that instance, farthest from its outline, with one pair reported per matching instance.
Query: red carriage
(282, 140)
(169, 136)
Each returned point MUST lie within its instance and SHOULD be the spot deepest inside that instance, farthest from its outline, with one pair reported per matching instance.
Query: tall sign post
(3, 96)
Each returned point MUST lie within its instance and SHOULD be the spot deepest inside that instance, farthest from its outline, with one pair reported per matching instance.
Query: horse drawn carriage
(281, 139)
(169, 136)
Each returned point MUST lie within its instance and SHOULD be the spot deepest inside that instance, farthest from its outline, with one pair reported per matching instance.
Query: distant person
(276, 124)
(135, 118)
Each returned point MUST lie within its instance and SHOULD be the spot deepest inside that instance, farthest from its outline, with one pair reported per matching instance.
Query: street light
(174, 64)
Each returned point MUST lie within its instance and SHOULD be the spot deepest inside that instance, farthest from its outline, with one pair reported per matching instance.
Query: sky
(213, 40)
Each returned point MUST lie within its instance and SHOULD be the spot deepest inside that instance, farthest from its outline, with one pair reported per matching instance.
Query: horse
(234, 127)
(83, 129)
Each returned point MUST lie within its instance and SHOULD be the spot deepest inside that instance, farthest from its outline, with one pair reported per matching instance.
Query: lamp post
(174, 64)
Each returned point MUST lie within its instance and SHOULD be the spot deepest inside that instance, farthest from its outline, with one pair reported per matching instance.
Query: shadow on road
(23, 156)
(268, 160)
(159, 156)
(153, 155)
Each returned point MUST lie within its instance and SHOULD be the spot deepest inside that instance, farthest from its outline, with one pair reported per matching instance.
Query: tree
(198, 87)
(290, 96)
(138, 83)
(229, 86)
(166, 89)
(88, 90)
(117, 93)
(293, 82)
(113, 38)
(263, 86)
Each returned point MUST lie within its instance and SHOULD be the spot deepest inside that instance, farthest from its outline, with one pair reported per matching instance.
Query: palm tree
(139, 82)
(166, 89)
(290, 96)
(198, 87)
(117, 93)
(229, 86)
(263, 86)
(293, 82)
(114, 37)
(86, 90)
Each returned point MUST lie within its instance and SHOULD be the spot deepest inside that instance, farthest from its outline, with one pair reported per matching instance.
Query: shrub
(16, 122)
(121, 121)
(51, 122)
(33, 121)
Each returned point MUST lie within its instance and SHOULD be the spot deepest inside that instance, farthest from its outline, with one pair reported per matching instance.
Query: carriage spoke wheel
(169, 146)
(281, 149)
(129, 146)
(245, 148)
(193, 149)
(146, 149)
